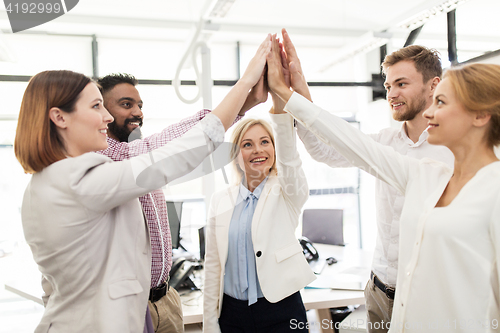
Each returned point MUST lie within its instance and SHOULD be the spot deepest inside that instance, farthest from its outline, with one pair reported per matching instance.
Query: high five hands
(255, 73)
(284, 69)
(297, 79)
(284, 72)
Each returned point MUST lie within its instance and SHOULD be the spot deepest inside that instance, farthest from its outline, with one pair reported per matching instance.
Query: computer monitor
(201, 237)
(174, 210)
(323, 226)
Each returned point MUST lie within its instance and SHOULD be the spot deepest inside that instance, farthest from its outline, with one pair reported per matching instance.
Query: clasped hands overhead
(282, 72)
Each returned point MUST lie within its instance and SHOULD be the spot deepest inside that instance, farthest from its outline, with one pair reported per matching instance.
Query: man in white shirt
(412, 73)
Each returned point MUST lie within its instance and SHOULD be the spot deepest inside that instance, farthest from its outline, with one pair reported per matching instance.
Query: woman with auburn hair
(450, 223)
(254, 266)
(81, 214)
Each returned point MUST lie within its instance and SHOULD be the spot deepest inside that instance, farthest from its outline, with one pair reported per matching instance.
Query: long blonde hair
(237, 136)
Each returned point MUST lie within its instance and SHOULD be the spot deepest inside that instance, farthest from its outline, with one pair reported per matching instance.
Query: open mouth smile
(397, 106)
(259, 160)
(431, 126)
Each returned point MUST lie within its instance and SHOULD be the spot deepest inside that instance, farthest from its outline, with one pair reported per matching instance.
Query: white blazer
(281, 266)
(84, 224)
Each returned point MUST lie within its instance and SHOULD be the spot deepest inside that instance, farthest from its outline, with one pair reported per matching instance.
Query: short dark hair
(108, 82)
(427, 61)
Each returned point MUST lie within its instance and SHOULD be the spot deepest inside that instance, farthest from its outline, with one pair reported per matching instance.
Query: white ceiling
(319, 23)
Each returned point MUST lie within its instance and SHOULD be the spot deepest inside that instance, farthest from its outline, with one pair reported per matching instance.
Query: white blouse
(389, 201)
(449, 277)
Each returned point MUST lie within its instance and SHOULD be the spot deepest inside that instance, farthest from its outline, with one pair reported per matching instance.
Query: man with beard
(411, 75)
(122, 100)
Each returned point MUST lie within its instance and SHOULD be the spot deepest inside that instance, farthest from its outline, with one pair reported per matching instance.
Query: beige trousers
(166, 313)
(378, 309)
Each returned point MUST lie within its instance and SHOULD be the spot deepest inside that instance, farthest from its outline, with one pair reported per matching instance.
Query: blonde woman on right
(450, 224)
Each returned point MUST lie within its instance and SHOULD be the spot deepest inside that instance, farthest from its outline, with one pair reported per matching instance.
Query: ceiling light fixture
(221, 8)
(421, 18)
(415, 18)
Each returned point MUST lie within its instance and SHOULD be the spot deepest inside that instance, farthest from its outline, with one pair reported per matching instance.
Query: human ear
(58, 117)
(481, 119)
(434, 82)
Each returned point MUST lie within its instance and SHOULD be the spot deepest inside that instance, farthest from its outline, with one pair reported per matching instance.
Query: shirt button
(408, 273)
(258, 253)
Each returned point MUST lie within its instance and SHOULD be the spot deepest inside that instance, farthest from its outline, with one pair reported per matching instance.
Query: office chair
(324, 226)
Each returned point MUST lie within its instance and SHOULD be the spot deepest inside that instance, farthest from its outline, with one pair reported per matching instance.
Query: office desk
(353, 264)
(351, 271)
(352, 268)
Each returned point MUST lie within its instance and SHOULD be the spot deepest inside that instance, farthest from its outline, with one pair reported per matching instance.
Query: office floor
(17, 314)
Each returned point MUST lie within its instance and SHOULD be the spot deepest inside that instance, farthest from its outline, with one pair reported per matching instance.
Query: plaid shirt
(153, 203)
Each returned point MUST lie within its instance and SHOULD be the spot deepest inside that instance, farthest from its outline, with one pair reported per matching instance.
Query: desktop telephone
(180, 272)
(308, 249)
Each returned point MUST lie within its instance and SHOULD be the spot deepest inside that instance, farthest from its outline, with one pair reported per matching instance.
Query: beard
(413, 108)
(122, 133)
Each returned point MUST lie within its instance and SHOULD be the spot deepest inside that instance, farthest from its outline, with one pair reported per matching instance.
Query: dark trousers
(287, 315)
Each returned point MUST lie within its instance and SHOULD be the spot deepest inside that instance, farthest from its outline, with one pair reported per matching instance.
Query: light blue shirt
(240, 280)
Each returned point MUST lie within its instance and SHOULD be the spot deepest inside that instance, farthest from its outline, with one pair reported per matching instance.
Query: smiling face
(85, 128)
(125, 105)
(449, 122)
(256, 155)
(407, 94)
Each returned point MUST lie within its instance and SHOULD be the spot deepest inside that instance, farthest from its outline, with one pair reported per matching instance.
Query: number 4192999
(34, 8)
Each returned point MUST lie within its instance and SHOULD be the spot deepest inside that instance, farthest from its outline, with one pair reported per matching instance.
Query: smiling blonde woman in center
(254, 265)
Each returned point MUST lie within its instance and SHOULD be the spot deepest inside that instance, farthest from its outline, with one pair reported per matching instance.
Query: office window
(224, 61)
(158, 60)
(36, 53)
(144, 59)
(334, 188)
(11, 95)
(12, 186)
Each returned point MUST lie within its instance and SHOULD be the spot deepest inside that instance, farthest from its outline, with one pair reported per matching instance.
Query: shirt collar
(111, 139)
(422, 138)
(244, 192)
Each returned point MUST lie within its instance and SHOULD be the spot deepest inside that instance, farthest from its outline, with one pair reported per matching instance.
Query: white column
(208, 181)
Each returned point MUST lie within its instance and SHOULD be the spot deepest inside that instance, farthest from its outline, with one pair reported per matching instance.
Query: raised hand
(275, 75)
(297, 79)
(258, 94)
(256, 66)
(284, 64)
(236, 101)
(278, 104)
